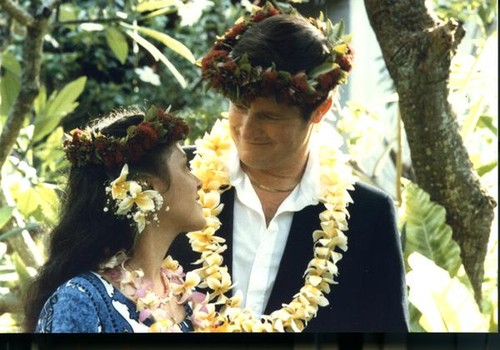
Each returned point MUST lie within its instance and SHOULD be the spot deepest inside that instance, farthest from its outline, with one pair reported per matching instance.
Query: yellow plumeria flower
(140, 219)
(191, 280)
(210, 166)
(143, 199)
(120, 186)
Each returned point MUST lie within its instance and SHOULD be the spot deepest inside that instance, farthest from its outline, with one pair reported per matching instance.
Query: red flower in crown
(146, 134)
(327, 80)
(301, 83)
(345, 61)
(237, 79)
(89, 146)
(265, 13)
(235, 31)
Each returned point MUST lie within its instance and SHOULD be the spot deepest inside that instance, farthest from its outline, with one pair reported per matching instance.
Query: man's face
(269, 135)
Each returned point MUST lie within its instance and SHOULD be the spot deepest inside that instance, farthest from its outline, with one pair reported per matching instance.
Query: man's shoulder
(364, 192)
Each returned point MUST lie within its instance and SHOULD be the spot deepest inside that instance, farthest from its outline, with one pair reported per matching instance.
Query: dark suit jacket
(371, 292)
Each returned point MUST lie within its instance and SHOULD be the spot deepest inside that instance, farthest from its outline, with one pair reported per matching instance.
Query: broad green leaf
(484, 169)
(489, 302)
(9, 89)
(446, 304)
(158, 56)
(5, 215)
(24, 272)
(68, 12)
(51, 153)
(152, 5)
(26, 200)
(9, 62)
(160, 12)
(486, 121)
(48, 201)
(18, 230)
(118, 43)
(426, 230)
(167, 40)
(335, 31)
(41, 101)
(322, 69)
(470, 121)
(59, 105)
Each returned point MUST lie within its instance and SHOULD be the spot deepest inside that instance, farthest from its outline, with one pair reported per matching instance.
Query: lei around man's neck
(238, 80)
(90, 146)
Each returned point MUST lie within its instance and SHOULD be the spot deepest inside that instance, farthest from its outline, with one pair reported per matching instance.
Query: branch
(30, 85)
(417, 49)
(17, 12)
(96, 20)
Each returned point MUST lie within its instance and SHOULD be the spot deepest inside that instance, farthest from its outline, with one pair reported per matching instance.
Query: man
(279, 72)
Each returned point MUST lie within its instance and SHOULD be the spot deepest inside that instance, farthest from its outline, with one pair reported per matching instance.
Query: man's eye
(269, 117)
(240, 107)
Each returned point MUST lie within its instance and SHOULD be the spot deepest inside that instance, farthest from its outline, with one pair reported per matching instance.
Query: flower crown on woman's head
(238, 80)
(90, 146)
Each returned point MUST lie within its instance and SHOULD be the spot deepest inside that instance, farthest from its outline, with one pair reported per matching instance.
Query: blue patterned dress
(90, 304)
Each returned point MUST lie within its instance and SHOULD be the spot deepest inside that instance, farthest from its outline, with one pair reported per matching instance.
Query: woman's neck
(149, 253)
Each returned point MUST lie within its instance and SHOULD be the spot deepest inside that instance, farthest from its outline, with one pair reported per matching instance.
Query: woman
(129, 193)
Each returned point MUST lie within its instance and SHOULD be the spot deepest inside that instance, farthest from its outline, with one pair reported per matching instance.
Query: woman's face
(184, 212)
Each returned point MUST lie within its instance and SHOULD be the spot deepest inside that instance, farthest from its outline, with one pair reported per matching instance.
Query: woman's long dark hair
(291, 43)
(86, 235)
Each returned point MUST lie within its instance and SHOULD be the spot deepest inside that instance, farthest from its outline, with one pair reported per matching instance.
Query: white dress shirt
(257, 249)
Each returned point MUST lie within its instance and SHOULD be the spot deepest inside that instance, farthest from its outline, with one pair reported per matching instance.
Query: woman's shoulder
(85, 303)
(85, 284)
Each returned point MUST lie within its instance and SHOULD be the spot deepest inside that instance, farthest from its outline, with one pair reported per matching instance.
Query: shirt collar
(305, 193)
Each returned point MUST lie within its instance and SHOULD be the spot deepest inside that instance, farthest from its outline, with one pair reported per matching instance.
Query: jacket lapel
(295, 258)
(226, 229)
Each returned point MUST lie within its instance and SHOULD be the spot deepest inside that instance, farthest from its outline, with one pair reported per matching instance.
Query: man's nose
(250, 128)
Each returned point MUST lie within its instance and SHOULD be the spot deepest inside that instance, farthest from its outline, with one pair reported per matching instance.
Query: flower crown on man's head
(238, 80)
(90, 146)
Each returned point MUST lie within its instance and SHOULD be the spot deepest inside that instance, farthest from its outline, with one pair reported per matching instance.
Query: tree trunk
(417, 49)
(36, 28)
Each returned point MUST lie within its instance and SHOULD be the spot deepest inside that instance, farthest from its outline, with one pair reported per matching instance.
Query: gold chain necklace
(270, 189)
(210, 166)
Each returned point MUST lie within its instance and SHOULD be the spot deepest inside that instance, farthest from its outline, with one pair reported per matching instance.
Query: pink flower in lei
(178, 287)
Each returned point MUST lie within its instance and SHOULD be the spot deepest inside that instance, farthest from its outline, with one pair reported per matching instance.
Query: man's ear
(321, 110)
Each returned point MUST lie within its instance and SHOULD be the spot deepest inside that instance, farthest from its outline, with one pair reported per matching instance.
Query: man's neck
(273, 186)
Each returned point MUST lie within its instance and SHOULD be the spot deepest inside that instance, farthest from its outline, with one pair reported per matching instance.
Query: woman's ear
(321, 110)
(157, 184)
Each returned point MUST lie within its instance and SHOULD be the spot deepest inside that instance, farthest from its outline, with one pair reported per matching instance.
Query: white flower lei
(336, 178)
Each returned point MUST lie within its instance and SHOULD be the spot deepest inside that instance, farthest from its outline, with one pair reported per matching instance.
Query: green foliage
(59, 104)
(424, 228)
(5, 215)
(103, 55)
(117, 42)
(444, 303)
(482, 12)
(440, 293)
(9, 81)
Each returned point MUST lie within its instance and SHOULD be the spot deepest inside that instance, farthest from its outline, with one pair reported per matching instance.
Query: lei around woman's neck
(90, 146)
(237, 79)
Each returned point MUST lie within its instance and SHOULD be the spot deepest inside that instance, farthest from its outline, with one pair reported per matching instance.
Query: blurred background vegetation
(100, 55)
